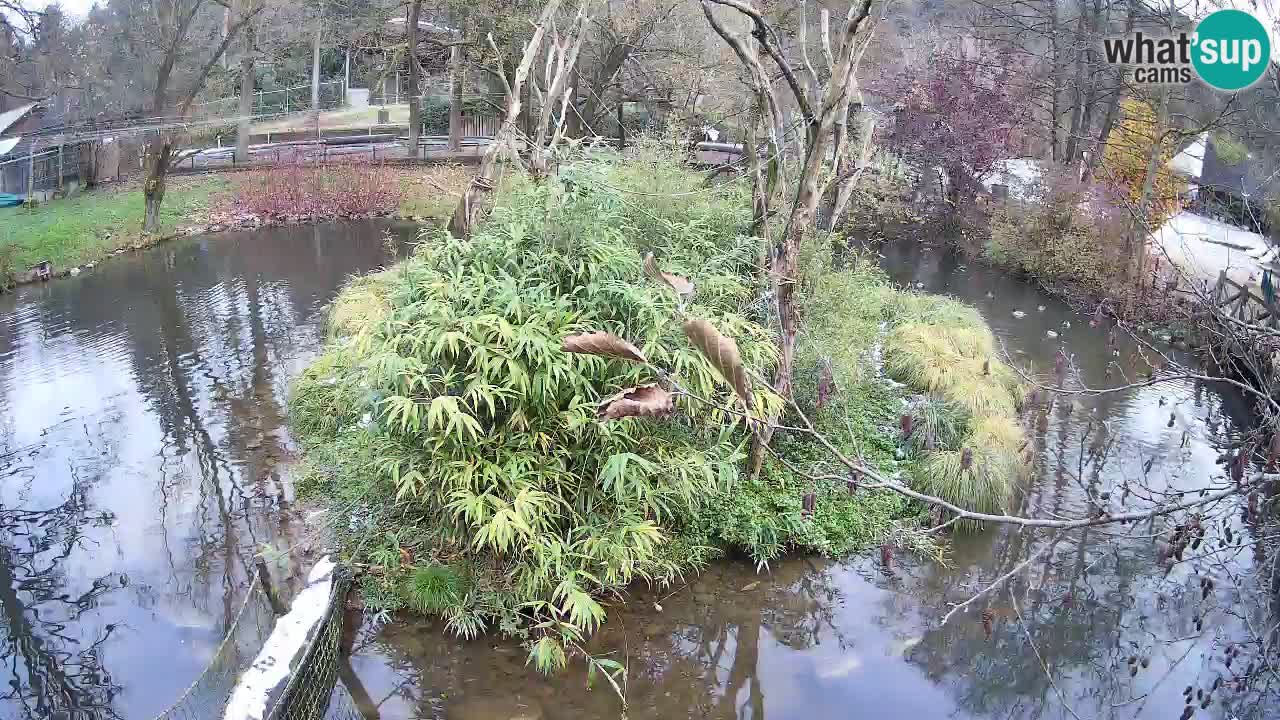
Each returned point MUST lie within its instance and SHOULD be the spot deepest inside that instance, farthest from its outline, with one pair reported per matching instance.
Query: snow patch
(1203, 247)
(1190, 162)
(271, 668)
(1020, 175)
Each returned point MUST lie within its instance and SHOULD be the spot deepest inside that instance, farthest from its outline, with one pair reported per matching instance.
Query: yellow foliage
(1124, 162)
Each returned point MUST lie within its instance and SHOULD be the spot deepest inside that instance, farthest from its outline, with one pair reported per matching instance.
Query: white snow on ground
(1020, 175)
(271, 667)
(1203, 247)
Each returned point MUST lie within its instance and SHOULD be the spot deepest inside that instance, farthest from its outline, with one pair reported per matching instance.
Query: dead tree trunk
(478, 197)
(562, 58)
(821, 113)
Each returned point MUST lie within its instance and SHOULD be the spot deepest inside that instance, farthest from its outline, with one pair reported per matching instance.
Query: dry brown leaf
(723, 354)
(641, 401)
(603, 344)
(682, 286)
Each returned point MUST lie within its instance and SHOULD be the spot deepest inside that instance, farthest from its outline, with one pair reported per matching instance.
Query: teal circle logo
(1232, 50)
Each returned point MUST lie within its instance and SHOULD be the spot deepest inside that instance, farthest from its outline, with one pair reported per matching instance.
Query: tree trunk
(1137, 243)
(244, 122)
(622, 130)
(613, 61)
(1055, 108)
(759, 183)
(415, 106)
(156, 164)
(1080, 102)
(1113, 103)
(845, 185)
(455, 97)
(573, 125)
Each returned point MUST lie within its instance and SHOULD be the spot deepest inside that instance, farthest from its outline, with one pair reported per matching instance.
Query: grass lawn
(69, 232)
(72, 231)
(432, 192)
(346, 119)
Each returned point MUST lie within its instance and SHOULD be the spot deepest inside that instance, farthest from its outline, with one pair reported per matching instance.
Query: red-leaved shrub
(295, 191)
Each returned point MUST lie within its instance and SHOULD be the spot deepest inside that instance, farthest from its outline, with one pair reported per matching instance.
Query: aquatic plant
(983, 474)
(956, 363)
(938, 425)
(967, 443)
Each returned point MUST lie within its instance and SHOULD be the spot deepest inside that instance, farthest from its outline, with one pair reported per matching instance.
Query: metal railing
(277, 102)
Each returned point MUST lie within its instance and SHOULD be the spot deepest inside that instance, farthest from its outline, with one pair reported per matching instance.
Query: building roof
(10, 117)
(1190, 162)
(8, 144)
(1255, 175)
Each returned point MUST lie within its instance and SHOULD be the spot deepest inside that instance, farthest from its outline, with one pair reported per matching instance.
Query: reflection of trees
(719, 640)
(206, 326)
(52, 669)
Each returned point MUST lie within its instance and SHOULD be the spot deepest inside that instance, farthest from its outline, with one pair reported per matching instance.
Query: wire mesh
(310, 688)
(206, 697)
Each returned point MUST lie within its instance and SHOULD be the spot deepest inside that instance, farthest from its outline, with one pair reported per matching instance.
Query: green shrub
(1229, 150)
(469, 433)
(1070, 231)
(882, 197)
(458, 445)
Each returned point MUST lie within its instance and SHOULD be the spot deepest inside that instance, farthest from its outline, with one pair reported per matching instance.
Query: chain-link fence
(206, 697)
(282, 101)
(307, 694)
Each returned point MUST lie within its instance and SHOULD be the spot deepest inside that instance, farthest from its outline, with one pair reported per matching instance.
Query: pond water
(814, 639)
(141, 449)
(142, 463)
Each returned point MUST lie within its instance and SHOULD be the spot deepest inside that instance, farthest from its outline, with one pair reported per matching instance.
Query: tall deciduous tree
(415, 98)
(964, 115)
(244, 120)
(181, 63)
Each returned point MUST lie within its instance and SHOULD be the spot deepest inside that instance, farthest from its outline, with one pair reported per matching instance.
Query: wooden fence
(1240, 302)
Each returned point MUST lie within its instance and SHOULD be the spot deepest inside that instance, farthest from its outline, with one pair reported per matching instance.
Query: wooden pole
(31, 174)
(60, 173)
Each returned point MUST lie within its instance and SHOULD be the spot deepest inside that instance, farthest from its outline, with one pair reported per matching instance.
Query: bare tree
(824, 115)
(559, 61)
(175, 22)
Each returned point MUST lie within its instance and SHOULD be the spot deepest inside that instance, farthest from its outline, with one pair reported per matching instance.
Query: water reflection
(815, 640)
(141, 458)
